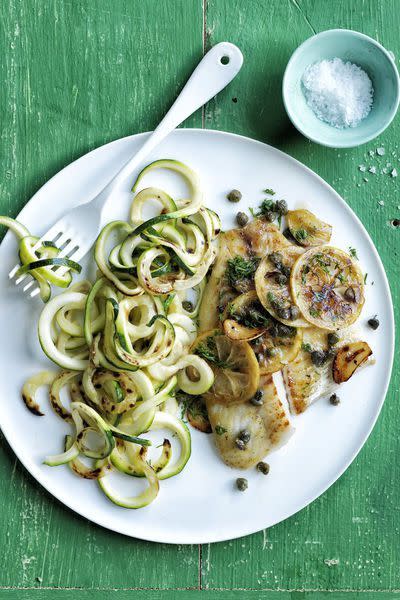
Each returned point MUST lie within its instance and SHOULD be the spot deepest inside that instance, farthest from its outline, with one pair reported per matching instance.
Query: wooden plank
(222, 594)
(349, 538)
(76, 74)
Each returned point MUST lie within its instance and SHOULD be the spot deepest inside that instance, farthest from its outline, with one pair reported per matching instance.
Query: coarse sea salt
(339, 93)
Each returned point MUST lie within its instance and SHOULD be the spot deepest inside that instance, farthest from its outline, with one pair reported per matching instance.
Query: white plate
(201, 504)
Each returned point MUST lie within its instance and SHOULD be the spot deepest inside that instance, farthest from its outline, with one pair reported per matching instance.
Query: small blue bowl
(360, 50)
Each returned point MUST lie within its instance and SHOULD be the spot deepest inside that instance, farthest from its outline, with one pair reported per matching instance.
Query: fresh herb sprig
(208, 351)
(240, 268)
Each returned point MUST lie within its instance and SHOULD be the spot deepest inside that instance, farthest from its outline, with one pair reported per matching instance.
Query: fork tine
(35, 292)
(13, 271)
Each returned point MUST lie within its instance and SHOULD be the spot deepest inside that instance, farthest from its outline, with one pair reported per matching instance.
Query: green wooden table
(76, 74)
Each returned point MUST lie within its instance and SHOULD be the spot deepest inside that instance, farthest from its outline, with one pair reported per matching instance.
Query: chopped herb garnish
(304, 272)
(365, 278)
(239, 268)
(269, 192)
(192, 405)
(322, 262)
(306, 347)
(208, 351)
(300, 234)
(267, 206)
(219, 430)
(273, 301)
(314, 312)
(353, 252)
(253, 212)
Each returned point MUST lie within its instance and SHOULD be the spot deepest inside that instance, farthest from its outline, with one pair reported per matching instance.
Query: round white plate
(201, 504)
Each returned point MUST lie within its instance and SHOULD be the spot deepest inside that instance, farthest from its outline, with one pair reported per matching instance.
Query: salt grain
(339, 93)
(394, 173)
(372, 170)
(380, 151)
(362, 168)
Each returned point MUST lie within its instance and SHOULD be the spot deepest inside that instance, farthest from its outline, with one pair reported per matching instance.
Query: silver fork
(78, 229)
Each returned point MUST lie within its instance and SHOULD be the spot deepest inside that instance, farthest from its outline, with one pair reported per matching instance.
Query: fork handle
(217, 68)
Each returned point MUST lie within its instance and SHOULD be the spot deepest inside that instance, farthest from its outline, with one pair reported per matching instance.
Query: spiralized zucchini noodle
(123, 341)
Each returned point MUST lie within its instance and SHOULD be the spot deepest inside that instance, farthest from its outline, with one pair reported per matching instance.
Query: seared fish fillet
(268, 425)
(257, 239)
(304, 382)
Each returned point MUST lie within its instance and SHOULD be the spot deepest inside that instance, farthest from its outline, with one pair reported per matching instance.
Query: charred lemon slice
(277, 347)
(235, 367)
(328, 287)
(245, 318)
(307, 229)
(272, 281)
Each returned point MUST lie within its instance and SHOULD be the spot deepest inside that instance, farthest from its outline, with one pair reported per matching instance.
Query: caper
(333, 339)
(350, 294)
(242, 484)
(334, 399)
(281, 207)
(281, 330)
(373, 323)
(263, 467)
(187, 305)
(234, 196)
(240, 444)
(242, 219)
(257, 399)
(276, 258)
(281, 279)
(318, 357)
(245, 436)
(269, 216)
(285, 270)
(283, 313)
(294, 312)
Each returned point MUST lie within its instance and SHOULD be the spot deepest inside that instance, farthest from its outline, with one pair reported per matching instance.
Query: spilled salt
(339, 93)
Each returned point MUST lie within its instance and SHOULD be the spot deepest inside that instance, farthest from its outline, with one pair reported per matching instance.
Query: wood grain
(71, 594)
(78, 73)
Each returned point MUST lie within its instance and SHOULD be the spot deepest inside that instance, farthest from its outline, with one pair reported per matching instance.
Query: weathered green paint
(78, 73)
(71, 594)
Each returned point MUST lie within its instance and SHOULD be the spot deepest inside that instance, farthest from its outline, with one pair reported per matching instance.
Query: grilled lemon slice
(328, 287)
(235, 367)
(307, 229)
(273, 286)
(273, 352)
